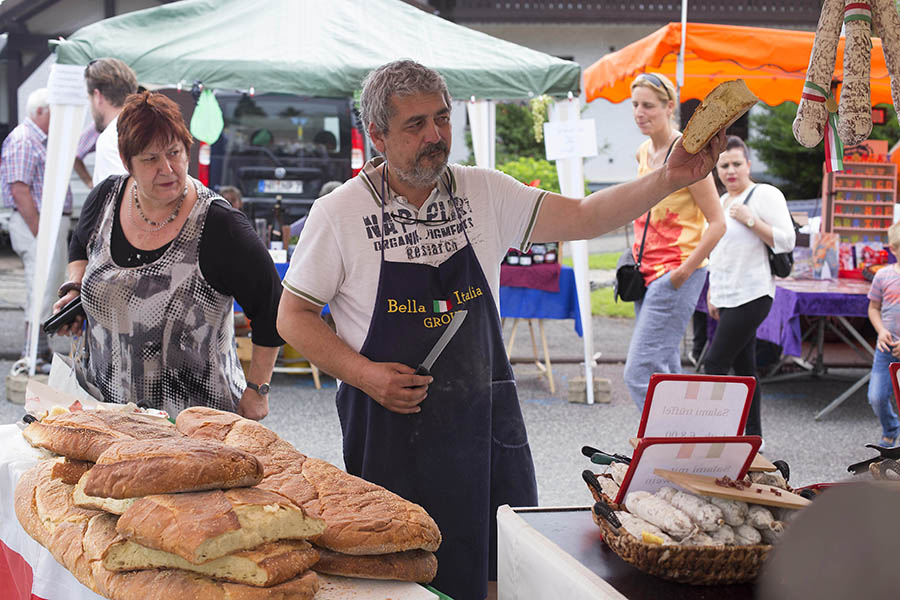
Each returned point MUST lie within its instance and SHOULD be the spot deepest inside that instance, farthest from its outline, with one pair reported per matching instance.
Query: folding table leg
(840, 399)
(512, 338)
(546, 356)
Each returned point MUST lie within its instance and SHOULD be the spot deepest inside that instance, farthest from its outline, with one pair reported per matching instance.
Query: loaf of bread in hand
(162, 466)
(85, 434)
(722, 106)
(202, 526)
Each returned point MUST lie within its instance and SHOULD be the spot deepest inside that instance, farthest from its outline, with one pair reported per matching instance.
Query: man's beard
(422, 174)
(98, 121)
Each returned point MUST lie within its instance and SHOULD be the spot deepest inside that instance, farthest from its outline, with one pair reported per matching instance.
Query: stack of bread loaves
(189, 522)
(135, 508)
(369, 531)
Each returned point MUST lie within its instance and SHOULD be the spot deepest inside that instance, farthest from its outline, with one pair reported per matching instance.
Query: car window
(283, 125)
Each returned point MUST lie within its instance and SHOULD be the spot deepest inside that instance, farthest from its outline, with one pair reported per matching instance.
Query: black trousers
(734, 347)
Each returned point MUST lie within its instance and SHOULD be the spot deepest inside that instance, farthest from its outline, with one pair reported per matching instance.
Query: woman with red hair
(159, 260)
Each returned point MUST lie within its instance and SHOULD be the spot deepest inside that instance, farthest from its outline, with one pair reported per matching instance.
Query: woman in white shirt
(741, 284)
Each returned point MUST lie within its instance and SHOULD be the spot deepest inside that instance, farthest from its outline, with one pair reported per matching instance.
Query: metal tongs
(604, 458)
(884, 453)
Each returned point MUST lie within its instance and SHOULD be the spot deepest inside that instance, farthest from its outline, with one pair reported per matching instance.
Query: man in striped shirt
(24, 154)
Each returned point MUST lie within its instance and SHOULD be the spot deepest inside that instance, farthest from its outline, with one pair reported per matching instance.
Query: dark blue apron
(466, 452)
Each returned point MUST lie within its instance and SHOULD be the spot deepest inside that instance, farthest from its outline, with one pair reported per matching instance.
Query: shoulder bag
(782, 263)
(630, 285)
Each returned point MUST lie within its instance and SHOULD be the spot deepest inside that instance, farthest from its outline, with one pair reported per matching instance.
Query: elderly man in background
(109, 82)
(24, 155)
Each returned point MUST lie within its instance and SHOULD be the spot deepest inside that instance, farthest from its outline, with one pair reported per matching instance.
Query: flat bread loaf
(360, 517)
(176, 584)
(202, 526)
(160, 466)
(263, 566)
(721, 107)
(85, 434)
(414, 565)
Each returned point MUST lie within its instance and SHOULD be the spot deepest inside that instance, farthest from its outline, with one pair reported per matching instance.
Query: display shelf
(859, 201)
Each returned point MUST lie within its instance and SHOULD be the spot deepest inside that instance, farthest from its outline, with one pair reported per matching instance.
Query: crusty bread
(78, 538)
(202, 526)
(175, 584)
(142, 467)
(721, 107)
(413, 565)
(69, 470)
(85, 434)
(207, 423)
(361, 517)
(45, 510)
(117, 506)
(263, 566)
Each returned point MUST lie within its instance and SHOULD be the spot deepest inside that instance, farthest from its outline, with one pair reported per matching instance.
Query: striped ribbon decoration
(858, 11)
(834, 149)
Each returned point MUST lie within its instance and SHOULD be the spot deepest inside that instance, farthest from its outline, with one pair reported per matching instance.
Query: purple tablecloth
(807, 297)
(544, 277)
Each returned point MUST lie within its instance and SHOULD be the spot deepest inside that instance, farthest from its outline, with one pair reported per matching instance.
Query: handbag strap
(647, 222)
(747, 198)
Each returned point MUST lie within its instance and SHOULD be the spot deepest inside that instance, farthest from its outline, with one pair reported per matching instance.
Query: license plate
(280, 186)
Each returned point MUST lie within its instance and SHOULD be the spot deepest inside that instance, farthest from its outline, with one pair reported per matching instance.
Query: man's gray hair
(398, 78)
(36, 99)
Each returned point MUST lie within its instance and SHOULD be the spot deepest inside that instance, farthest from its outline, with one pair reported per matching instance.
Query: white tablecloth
(529, 566)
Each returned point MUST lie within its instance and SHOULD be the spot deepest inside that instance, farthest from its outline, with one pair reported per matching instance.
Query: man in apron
(396, 252)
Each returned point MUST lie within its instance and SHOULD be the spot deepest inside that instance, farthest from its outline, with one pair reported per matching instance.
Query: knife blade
(455, 323)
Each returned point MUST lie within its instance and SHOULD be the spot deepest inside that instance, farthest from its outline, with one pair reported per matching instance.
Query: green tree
(515, 133)
(798, 168)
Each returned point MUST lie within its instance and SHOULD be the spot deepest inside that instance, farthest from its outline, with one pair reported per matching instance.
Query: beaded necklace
(155, 226)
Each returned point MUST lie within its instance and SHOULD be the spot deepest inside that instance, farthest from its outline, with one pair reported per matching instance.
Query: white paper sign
(66, 85)
(722, 457)
(570, 139)
(695, 406)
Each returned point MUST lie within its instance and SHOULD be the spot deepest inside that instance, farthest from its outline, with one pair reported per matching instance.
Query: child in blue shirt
(884, 313)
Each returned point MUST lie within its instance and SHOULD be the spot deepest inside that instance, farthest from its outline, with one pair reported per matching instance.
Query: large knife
(455, 323)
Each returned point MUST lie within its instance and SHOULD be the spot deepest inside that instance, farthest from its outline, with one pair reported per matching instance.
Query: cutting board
(706, 486)
(760, 462)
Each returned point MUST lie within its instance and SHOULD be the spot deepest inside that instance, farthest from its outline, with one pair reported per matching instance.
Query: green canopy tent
(325, 48)
(313, 48)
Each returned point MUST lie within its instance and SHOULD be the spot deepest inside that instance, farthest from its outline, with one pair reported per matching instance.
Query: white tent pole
(571, 183)
(483, 123)
(679, 69)
(68, 99)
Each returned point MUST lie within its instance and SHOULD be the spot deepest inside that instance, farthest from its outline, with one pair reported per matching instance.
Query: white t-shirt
(338, 257)
(106, 159)
(739, 264)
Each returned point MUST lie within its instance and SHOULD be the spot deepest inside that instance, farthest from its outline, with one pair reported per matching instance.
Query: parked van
(278, 147)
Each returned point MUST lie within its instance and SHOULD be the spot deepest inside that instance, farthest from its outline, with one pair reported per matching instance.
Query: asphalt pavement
(817, 451)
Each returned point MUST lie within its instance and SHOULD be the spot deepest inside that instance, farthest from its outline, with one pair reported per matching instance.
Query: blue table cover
(527, 303)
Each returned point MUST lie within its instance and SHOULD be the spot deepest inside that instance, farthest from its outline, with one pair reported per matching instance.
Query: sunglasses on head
(655, 82)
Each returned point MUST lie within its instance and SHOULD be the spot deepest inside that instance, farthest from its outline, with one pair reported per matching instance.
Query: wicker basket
(696, 565)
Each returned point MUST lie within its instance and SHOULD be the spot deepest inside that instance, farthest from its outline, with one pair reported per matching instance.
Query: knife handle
(421, 370)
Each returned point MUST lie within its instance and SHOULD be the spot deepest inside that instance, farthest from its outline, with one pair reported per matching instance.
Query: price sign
(696, 405)
(724, 456)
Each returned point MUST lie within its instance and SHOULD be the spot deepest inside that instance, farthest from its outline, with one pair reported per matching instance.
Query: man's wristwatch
(261, 389)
